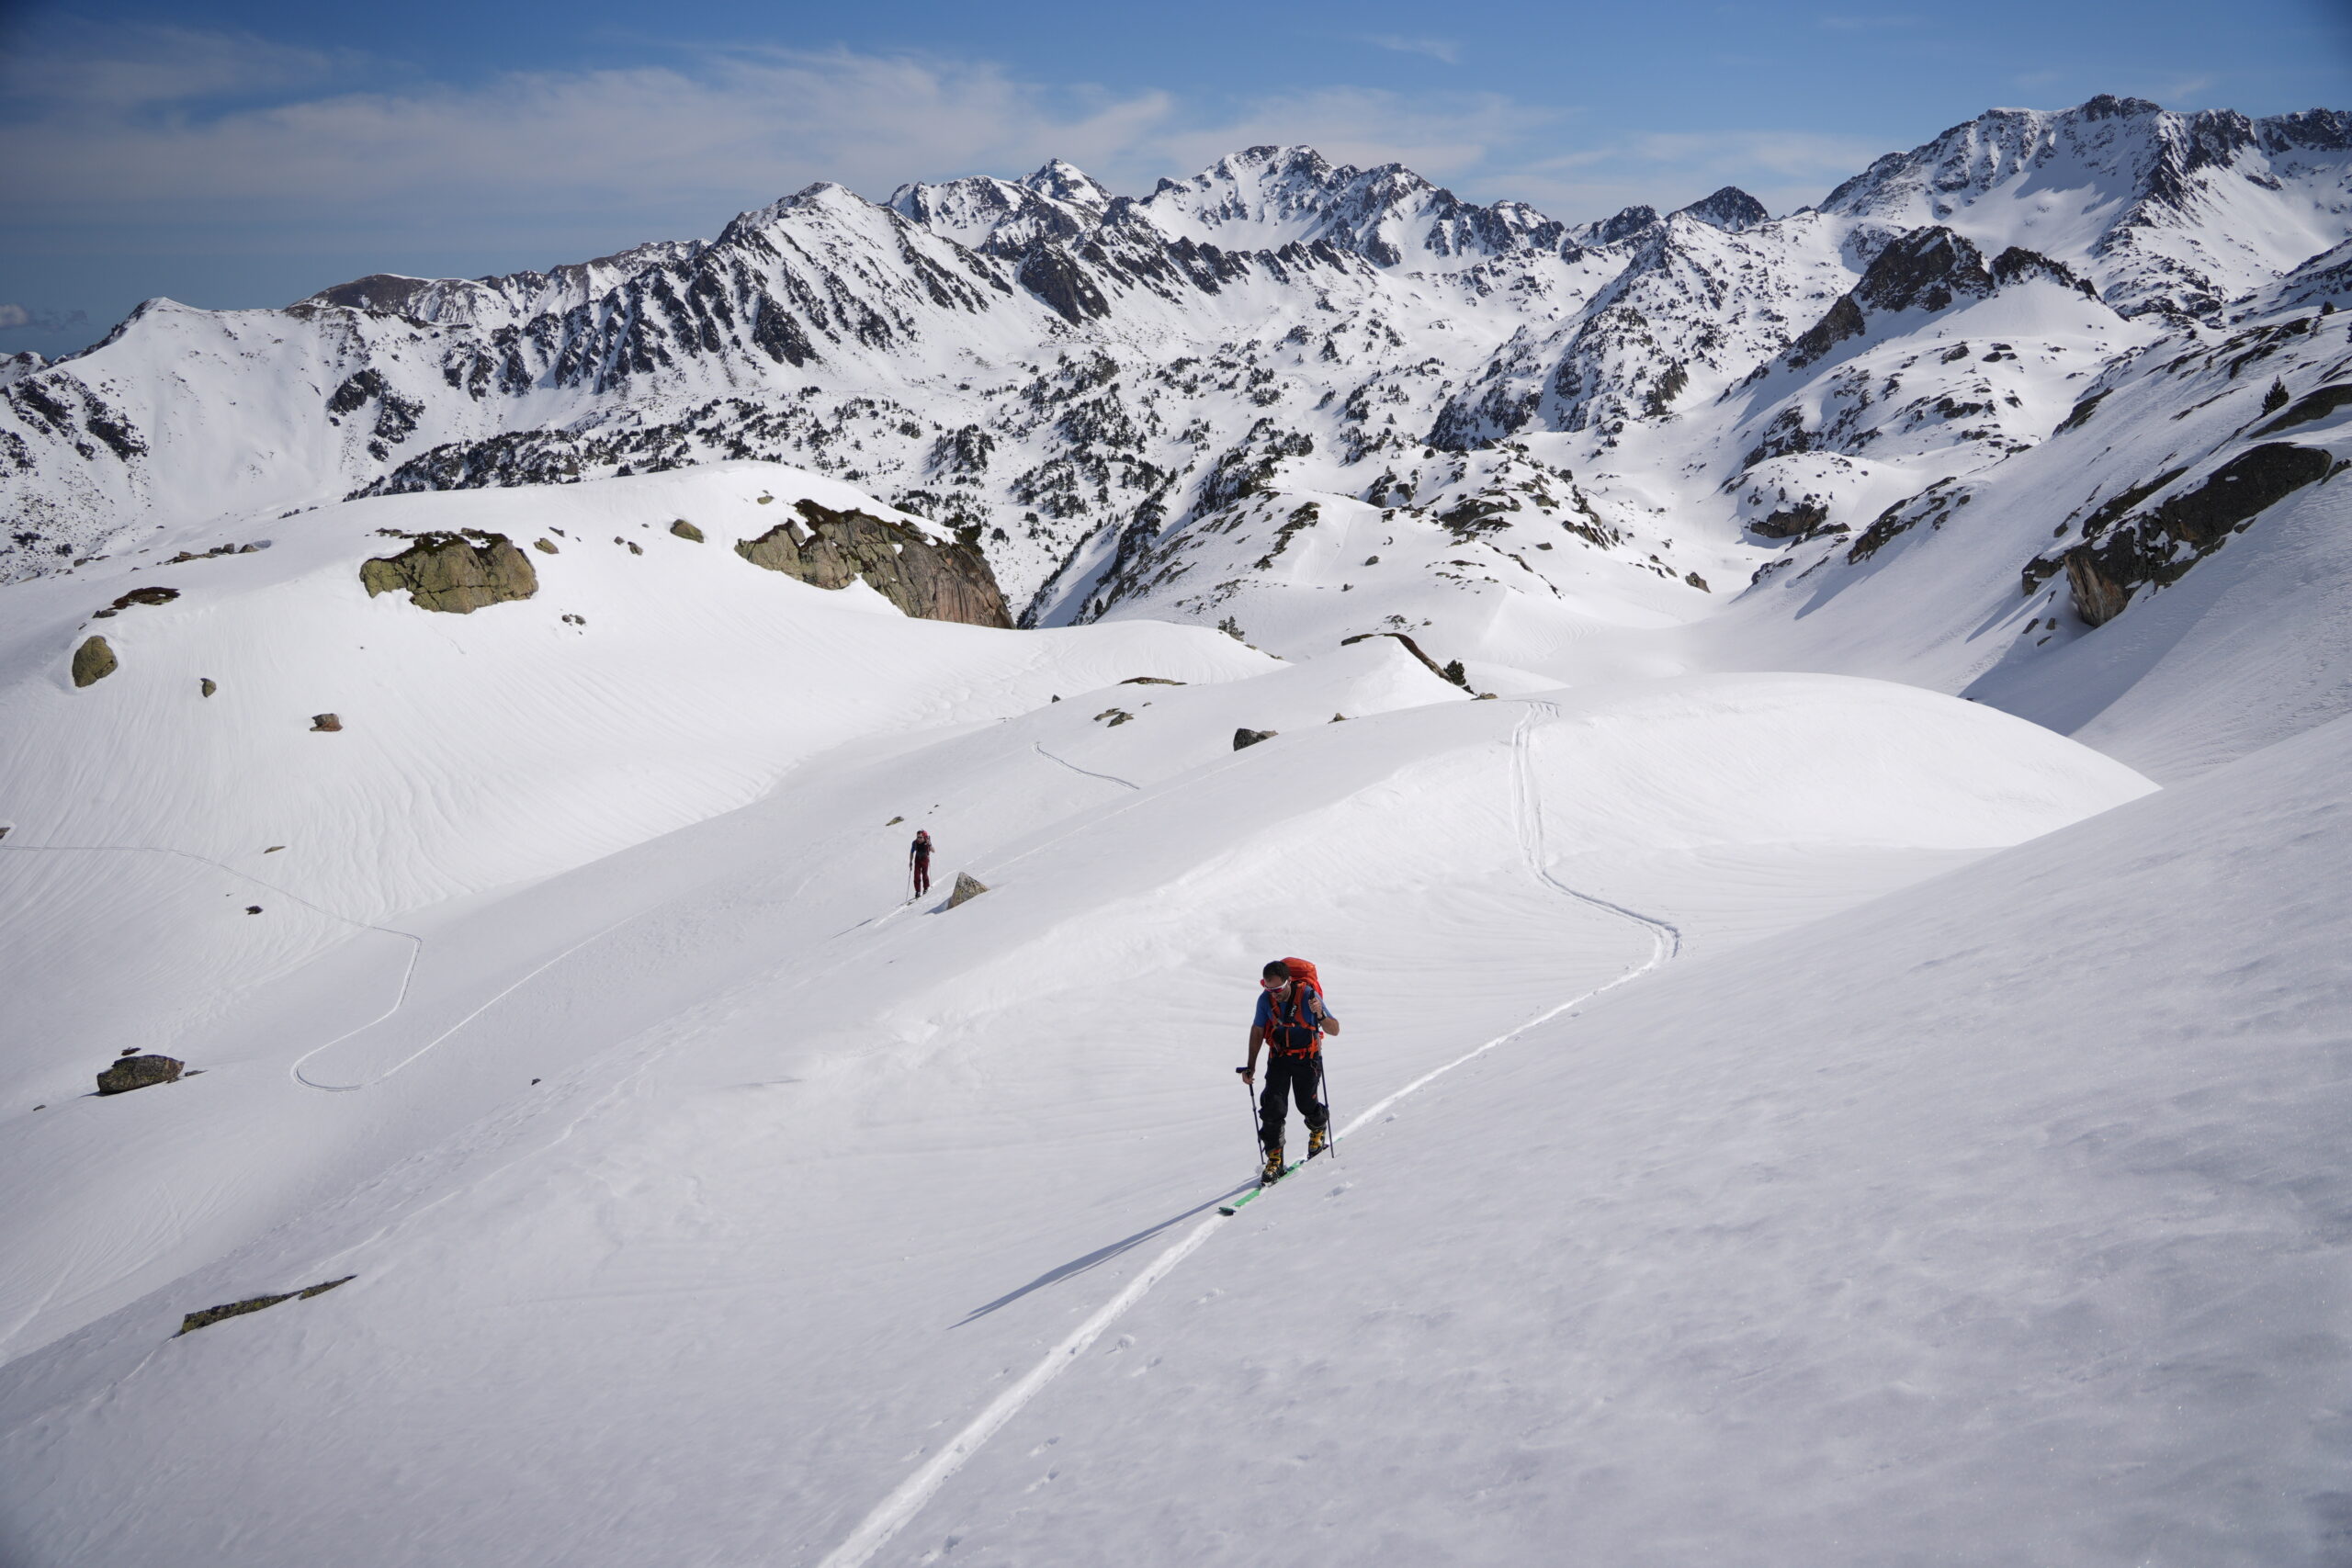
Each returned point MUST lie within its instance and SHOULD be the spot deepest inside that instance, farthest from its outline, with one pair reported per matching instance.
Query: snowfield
(1773, 1077)
(1807, 1095)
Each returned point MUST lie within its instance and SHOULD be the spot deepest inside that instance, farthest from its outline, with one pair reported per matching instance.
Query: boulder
(924, 578)
(1242, 738)
(457, 573)
(139, 1072)
(93, 661)
(205, 685)
(325, 721)
(967, 887)
(685, 530)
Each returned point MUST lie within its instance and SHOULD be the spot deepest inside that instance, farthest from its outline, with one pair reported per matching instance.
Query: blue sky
(247, 152)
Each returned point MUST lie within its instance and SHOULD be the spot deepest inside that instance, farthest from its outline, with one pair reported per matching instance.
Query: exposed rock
(139, 1072)
(1802, 520)
(544, 547)
(1116, 716)
(967, 887)
(93, 661)
(2238, 490)
(1149, 680)
(205, 685)
(156, 595)
(924, 579)
(685, 530)
(454, 572)
(195, 1320)
(1452, 670)
(325, 721)
(1242, 738)
(2311, 406)
(2119, 554)
(1695, 580)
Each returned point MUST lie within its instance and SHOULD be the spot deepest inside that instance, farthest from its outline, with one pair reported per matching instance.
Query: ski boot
(1274, 1170)
(1318, 1140)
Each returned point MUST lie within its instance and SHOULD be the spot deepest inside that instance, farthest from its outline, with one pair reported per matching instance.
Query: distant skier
(919, 861)
(1290, 1023)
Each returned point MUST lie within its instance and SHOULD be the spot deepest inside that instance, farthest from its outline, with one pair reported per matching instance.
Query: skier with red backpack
(1290, 1025)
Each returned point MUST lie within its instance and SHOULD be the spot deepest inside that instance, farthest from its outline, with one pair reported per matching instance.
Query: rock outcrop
(2159, 544)
(459, 573)
(140, 1072)
(967, 887)
(93, 661)
(923, 578)
(1243, 737)
(326, 722)
(210, 1316)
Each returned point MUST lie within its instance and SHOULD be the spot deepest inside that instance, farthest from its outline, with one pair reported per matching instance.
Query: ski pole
(1249, 1092)
(1323, 1087)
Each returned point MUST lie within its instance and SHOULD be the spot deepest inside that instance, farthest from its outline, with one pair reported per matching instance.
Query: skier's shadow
(1099, 1256)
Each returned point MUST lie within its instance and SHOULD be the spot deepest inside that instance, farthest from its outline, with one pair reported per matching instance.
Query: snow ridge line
(1074, 768)
(897, 1510)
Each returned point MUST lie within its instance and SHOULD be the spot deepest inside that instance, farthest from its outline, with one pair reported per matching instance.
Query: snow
(811, 1177)
(1807, 1095)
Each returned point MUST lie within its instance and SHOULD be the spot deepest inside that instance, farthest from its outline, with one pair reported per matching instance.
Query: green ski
(1236, 1204)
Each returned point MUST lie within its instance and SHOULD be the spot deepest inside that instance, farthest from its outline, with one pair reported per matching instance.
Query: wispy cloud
(1446, 49)
(229, 145)
(1870, 22)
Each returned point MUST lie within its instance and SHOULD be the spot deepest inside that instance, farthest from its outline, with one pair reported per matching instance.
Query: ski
(1238, 1203)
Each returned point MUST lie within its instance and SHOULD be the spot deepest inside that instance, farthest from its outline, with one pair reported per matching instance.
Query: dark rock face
(1802, 520)
(455, 574)
(2311, 407)
(1061, 283)
(1245, 737)
(967, 887)
(1730, 208)
(93, 661)
(211, 1315)
(139, 1072)
(2119, 554)
(1925, 269)
(2238, 490)
(925, 580)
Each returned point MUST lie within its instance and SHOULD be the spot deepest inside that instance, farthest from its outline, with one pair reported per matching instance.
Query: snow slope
(694, 1188)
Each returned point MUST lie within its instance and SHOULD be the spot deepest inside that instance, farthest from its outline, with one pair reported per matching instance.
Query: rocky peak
(1926, 269)
(1066, 182)
(1625, 225)
(1730, 208)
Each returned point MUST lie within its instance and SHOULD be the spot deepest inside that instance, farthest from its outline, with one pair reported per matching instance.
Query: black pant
(1296, 1077)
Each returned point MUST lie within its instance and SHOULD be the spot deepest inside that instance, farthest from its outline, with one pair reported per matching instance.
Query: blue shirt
(1290, 1036)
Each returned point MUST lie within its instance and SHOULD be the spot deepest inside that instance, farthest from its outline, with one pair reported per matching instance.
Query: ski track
(897, 1510)
(1090, 773)
(408, 971)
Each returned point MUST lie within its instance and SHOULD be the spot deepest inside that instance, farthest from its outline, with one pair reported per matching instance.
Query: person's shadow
(1099, 1256)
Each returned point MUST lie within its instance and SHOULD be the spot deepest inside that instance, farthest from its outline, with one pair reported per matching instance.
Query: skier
(1291, 1023)
(919, 861)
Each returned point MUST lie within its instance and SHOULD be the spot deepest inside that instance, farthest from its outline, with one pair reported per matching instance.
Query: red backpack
(1295, 1014)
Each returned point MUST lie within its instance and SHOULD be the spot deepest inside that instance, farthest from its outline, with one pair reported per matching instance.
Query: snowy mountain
(1699, 684)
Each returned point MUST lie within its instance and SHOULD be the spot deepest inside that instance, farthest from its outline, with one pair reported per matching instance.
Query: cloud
(14, 316)
(177, 143)
(1439, 49)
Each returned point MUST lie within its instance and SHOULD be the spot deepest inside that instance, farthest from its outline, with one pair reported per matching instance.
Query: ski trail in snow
(517, 984)
(1090, 773)
(900, 1507)
(408, 971)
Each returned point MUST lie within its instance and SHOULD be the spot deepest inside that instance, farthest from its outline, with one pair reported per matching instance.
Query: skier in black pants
(1291, 1023)
(919, 861)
